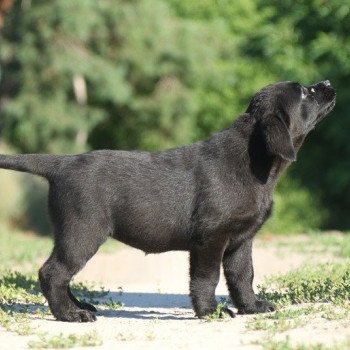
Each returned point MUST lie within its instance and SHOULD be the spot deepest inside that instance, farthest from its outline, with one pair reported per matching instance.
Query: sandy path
(157, 313)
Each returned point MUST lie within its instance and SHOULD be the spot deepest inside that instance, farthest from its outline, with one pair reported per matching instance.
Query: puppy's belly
(153, 243)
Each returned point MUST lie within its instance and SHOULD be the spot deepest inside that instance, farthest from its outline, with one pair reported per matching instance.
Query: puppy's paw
(77, 316)
(260, 306)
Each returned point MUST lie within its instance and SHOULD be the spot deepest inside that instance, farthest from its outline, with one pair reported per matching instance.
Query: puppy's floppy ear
(277, 137)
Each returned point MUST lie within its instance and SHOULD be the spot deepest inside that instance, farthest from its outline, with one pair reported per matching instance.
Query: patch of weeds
(16, 288)
(272, 344)
(19, 249)
(335, 312)
(220, 312)
(291, 313)
(112, 304)
(17, 323)
(310, 284)
(279, 321)
(20, 298)
(61, 341)
(324, 283)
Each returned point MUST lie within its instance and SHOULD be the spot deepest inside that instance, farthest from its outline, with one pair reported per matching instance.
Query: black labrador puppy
(209, 198)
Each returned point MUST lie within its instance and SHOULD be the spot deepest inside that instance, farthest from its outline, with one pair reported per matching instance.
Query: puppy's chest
(252, 219)
(251, 216)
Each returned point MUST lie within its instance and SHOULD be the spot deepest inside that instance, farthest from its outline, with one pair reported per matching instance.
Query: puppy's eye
(312, 90)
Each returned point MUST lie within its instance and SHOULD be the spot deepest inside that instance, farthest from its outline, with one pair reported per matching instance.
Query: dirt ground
(157, 313)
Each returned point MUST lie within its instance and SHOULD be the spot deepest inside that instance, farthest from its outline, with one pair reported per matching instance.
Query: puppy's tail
(44, 165)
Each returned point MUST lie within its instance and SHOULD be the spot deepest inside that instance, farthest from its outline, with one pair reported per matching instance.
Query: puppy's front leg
(205, 273)
(239, 273)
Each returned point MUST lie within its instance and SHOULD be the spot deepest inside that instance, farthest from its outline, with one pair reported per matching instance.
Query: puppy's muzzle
(325, 97)
(325, 93)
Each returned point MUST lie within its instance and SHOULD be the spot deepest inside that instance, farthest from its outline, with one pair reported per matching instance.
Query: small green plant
(281, 320)
(220, 312)
(112, 304)
(335, 312)
(16, 322)
(61, 341)
(310, 284)
(324, 283)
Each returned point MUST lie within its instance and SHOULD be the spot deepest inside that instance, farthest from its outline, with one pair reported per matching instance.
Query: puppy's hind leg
(71, 252)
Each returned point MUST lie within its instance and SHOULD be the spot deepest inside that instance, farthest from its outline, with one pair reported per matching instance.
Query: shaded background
(153, 74)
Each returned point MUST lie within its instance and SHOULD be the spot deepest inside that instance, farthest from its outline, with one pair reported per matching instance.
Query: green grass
(22, 291)
(326, 286)
(281, 320)
(272, 344)
(15, 322)
(323, 291)
(20, 296)
(16, 287)
(114, 305)
(295, 317)
(22, 250)
(333, 244)
(25, 250)
(61, 341)
(322, 283)
(21, 301)
(219, 314)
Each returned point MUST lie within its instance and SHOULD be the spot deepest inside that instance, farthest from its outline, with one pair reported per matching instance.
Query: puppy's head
(288, 111)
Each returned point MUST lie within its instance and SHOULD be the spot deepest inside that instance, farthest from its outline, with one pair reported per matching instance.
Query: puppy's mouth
(325, 110)
(326, 98)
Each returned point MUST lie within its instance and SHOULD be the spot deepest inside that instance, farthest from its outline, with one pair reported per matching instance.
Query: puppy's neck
(266, 168)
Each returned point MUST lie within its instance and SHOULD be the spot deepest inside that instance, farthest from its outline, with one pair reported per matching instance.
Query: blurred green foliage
(23, 201)
(151, 74)
(12, 194)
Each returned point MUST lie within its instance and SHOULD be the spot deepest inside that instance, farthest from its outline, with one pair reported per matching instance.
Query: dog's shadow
(147, 306)
(150, 306)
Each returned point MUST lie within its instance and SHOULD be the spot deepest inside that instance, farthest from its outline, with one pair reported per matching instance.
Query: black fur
(209, 198)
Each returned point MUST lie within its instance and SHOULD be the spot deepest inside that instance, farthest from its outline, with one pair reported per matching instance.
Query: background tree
(153, 74)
